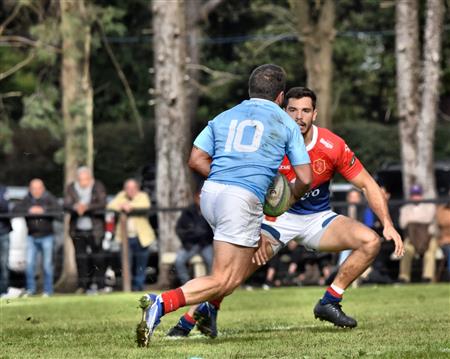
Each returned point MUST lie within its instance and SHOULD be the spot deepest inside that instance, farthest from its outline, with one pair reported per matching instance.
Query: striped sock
(333, 294)
(172, 300)
(187, 322)
(216, 302)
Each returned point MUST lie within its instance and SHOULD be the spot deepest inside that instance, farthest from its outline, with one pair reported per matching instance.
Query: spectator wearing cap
(417, 221)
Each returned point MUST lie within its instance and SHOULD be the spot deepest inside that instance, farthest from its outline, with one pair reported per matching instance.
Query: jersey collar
(314, 138)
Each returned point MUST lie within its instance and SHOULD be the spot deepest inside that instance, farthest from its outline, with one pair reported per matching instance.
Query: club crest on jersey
(319, 166)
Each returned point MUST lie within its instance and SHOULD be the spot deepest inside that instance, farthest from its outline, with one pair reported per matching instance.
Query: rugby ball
(277, 196)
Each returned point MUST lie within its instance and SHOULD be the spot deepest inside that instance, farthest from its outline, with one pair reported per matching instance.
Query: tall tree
(417, 90)
(172, 124)
(432, 54)
(197, 12)
(315, 28)
(77, 103)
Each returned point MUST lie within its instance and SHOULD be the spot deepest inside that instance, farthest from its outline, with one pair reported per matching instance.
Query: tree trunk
(172, 124)
(430, 96)
(77, 107)
(197, 12)
(407, 55)
(193, 49)
(318, 38)
(417, 97)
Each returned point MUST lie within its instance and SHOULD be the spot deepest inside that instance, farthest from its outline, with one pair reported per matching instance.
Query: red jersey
(329, 154)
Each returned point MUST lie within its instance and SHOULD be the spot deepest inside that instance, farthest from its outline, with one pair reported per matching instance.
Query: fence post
(126, 281)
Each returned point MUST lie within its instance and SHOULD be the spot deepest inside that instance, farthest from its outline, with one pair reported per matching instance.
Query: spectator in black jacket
(39, 208)
(85, 199)
(196, 238)
(5, 228)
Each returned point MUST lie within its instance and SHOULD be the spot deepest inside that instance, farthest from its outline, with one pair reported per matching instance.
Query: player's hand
(262, 255)
(390, 234)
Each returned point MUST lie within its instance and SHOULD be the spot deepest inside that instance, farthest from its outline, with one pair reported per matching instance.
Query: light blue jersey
(248, 142)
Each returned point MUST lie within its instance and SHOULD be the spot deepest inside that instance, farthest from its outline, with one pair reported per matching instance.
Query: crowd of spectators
(425, 228)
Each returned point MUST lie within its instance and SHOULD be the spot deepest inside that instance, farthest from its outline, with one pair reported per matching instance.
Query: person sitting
(39, 208)
(139, 232)
(416, 219)
(283, 269)
(443, 221)
(196, 238)
(5, 228)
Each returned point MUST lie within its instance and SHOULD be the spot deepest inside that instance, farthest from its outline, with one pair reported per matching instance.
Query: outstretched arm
(378, 203)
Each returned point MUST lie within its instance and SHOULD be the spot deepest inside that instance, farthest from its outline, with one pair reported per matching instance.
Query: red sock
(216, 302)
(189, 319)
(173, 299)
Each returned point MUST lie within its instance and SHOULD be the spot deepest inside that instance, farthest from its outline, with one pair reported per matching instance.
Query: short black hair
(266, 82)
(300, 92)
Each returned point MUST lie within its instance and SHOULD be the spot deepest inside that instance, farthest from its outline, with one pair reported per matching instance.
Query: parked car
(390, 174)
(18, 240)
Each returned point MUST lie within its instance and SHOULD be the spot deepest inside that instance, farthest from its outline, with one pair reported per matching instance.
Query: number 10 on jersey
(250, 130)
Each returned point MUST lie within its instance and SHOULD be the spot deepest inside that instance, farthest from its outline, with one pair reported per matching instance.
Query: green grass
(394, 322)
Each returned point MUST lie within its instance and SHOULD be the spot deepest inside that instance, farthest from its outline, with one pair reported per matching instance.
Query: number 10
(236, 133)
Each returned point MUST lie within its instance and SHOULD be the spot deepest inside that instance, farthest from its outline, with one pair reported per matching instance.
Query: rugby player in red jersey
(312, 222)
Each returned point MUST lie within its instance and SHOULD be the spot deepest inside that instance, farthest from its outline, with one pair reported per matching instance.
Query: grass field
(394, 322)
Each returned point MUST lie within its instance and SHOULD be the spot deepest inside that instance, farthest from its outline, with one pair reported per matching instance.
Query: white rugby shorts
(234, 213)
(306, 229)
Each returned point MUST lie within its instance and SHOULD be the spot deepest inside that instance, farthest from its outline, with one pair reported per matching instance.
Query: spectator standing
(139, 232)
(5, 228)
(443, 221)
(416, 219)
(85, 199)
(196, 238)
(39, 208)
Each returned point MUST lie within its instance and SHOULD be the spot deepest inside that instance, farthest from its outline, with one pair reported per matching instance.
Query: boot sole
(335, 324)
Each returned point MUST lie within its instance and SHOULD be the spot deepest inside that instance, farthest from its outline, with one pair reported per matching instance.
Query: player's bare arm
(200, 161)
(302, 183)
(378, 204)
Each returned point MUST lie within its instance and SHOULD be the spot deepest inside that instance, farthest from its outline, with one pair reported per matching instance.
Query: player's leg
(227, 274)
(185, 324)
(345, 233)
(235, 215)
(204, 315)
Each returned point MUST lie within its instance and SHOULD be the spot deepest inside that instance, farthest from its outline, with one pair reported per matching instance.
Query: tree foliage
(240, 35)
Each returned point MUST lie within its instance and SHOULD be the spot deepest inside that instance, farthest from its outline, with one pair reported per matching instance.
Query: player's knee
(226, 285)
(372, 244)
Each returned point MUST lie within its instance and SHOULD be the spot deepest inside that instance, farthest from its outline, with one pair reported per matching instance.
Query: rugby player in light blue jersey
(239, 152)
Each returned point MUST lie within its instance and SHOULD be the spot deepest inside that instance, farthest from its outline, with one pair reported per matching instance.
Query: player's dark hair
(266, 82)
(300, 92)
